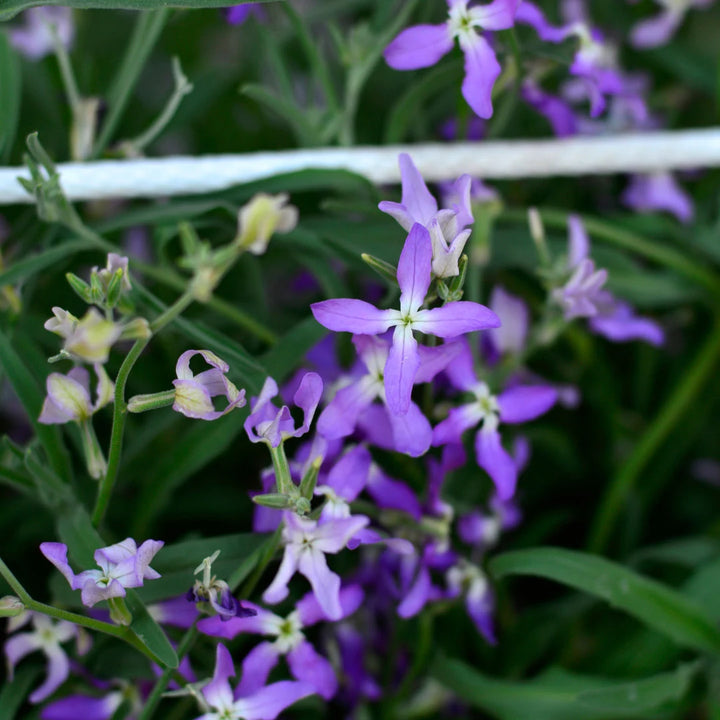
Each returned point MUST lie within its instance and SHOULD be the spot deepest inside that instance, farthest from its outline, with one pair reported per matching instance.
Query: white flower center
(488, 406)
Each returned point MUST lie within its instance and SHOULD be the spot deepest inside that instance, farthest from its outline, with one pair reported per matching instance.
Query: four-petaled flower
(122, 565)
(266, 423)
(423, 45)
(305, 663)
(266, 703)
(46, 636)
(68, 396)
(306, 543)
(194, 393)
(403, 361)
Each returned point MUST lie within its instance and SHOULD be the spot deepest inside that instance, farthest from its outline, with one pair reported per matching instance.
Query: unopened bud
(11, 606)
(260, 218)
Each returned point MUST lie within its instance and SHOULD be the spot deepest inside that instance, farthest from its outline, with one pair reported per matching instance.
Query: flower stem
(123, 633)
(120, 407)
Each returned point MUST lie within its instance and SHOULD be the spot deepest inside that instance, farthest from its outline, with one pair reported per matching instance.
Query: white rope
(160, 177)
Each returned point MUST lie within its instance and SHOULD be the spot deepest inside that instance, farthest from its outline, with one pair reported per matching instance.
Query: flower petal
(58, 670)
(256, 668)
(412, 433)
(416, 197)
(418, 47)
(340, 416)
(414, 270)
(325, 583)
(400, 370)
(268, 702)
(497, 462)
(481, 71)
(349, 315)
(307, 665)
(218, 692)
(526, 402)
(456, 318)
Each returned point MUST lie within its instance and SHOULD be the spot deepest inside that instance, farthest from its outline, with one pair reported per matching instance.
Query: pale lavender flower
(306, 544)
(595, 62)
(122, 565)
(46, 636)
(659, 29)
(608, 316)
(468, 581)
(510, 338)
(517, 404)
(194, 393)
(447, 227)
(34, 39)
(305, 663)
(266, 703)
(68, 396)
(423, 45)
(409, 433)
(266, 423)
(658, 191)
(449, 321)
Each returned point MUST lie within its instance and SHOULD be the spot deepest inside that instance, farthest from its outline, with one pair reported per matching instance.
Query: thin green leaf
(642, 695)
(10, 82)
(34, 264)
(31, 399)
(14, 693)
(13, 7)
(652, 603)
(560, 695)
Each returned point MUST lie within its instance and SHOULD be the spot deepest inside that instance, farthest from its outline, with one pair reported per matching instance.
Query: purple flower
(470, 582)
(238, 14)
(266, 423)
(511, 336)
(449, 321)
(45, 636)
(595, 62)
(584, 297)
(409, 433)
(658, 191)
(423, 45)
(194, 393)
(306, 544)
(305, 663)
(447, 227)
(123, 565)
(265, 703)
(73, 707)
(34, 39)
(517, 404)
(658, 30)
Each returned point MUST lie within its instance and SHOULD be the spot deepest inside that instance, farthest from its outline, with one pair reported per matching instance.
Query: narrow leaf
(658, 606)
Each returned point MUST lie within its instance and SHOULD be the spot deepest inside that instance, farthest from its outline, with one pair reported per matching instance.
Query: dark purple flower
(423, 45)
(658, 191)
(238, 14)
(449, 321)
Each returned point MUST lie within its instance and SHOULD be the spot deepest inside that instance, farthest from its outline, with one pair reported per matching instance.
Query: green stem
(123, 633)
(283, 479)
(679, 402)
(66, 72)
(187, 641)
(182, 88)
(147, 30)
(120, 408)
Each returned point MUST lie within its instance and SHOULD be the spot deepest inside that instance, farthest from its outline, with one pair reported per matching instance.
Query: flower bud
(260, 218)
(11, 606)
